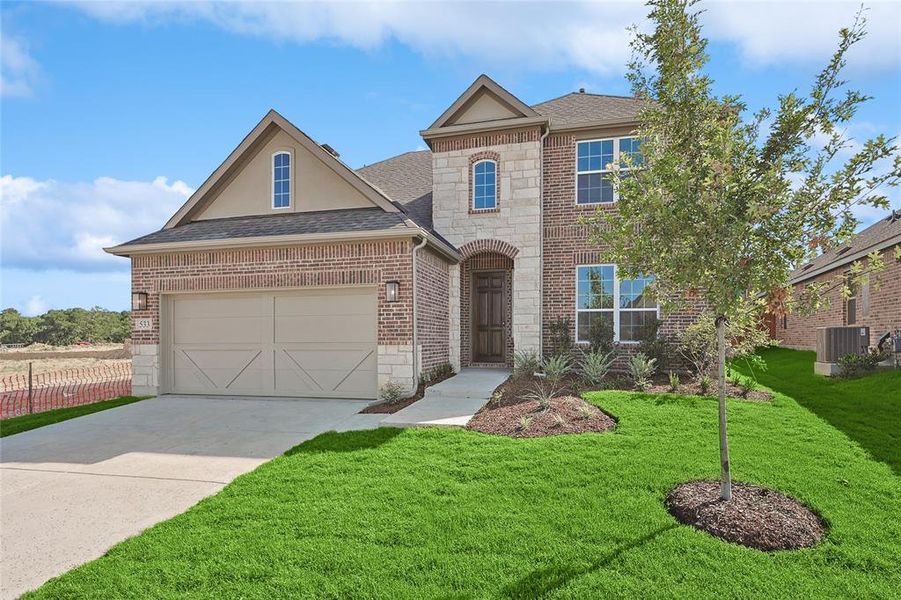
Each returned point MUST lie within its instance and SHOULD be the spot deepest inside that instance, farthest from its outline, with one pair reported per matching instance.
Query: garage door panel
(324, 330)
(310, 343)
(325, 304)
(328, 371)
(225, 306)
(211, 331)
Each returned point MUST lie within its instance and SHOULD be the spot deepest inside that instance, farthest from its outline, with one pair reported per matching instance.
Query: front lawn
(441, 513)
(26, 422)
(867, 410)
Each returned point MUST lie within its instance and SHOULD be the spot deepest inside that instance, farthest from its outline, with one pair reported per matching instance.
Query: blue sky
(111, 114)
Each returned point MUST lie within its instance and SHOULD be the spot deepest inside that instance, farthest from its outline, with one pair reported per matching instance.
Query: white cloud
(18, 71)
(35, 305)
(50, 224)
(588, 35)
(804, 31)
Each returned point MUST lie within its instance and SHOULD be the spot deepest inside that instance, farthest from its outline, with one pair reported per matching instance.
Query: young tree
(724, 206)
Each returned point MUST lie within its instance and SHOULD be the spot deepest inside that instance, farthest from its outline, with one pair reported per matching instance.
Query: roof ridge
(584, 94)
(378, 162)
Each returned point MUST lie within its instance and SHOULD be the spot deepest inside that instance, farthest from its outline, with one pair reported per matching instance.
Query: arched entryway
(486, 303)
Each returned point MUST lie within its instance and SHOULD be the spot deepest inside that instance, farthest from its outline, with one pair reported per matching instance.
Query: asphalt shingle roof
(324, 221)
(578, 108)
(407, 179)
(882, 231)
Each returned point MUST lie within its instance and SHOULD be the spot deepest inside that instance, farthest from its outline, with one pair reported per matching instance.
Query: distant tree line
(65, 327)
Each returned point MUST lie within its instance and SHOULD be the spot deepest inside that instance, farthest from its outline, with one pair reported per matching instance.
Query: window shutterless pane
(633, 322)
(585, 319)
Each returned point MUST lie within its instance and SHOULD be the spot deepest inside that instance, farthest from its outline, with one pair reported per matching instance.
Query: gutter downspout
(416, 250)
(541, 240)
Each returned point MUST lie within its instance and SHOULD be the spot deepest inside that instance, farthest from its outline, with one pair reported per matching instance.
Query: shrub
(585, 411)
(391, 392)
(559, 421)
(561, 336)
(557, 367)
(653, 345)
(856, 365)
(697, 344)
(525, 364)
(641, 369)
(595, 366)
(542, 392)
(524, 422)
(673, 381)
(705, 383)
(600, 336)
(749, 386)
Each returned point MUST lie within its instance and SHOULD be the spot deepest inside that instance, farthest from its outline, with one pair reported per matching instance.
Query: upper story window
(595, 160)
(484, 189)
(281, 180)
(623, 303)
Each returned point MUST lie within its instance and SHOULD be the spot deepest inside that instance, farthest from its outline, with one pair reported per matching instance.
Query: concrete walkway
(70, 491)
(451, 403)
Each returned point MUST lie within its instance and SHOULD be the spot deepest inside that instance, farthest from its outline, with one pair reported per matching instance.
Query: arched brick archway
(501, 247)
(485, 260)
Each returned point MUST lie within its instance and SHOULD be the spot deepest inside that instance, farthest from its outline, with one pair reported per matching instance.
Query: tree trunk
(725, 476)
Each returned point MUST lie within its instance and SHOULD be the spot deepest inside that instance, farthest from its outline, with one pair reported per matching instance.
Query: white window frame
(290, 179)
(473, 175)
(602, 172)
(616, 307)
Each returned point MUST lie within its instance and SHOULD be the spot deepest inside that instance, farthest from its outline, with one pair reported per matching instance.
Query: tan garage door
(306, 343)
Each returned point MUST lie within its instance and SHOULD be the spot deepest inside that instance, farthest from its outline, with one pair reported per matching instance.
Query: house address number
(143, 324)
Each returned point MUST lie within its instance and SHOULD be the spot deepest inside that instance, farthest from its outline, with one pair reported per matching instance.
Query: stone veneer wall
(290, 267)
(881, 312)
(516, 220)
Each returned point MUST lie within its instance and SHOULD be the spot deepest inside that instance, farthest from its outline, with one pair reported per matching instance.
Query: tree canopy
(64, 327)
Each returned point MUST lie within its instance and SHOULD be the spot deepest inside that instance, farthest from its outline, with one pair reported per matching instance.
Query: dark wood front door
(489, 301)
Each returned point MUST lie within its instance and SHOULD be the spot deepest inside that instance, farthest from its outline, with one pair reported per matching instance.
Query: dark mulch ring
(757, 517)
(386, 408)
(527, 419)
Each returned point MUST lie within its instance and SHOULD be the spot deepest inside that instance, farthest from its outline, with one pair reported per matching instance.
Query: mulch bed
(756, 517)
(385, 408)
(577, 416)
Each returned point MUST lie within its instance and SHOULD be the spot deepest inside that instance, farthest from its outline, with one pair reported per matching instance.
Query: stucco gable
(242, 185)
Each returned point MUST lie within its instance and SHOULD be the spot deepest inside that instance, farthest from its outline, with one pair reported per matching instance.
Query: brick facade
(566, 244)
(432, 293)
(879, 309)
(293, 267)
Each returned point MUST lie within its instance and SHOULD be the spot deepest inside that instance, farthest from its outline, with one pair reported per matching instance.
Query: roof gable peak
(496, 104)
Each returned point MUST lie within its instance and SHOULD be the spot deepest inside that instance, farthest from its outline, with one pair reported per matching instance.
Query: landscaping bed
(756, 516)
(529, 418)
(388, 408)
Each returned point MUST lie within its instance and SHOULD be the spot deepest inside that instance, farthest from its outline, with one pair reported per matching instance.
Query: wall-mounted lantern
(139, 301)
(392, 291)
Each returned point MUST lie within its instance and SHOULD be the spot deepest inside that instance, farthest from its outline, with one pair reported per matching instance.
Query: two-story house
(288, 273)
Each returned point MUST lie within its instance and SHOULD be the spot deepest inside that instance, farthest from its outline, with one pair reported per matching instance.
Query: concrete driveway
(70, 491)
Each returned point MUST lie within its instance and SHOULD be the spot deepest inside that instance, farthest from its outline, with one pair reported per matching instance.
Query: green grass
(867, 410)
(26, 422)
(438, 513)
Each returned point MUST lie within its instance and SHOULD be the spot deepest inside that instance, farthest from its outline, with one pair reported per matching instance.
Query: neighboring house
(288, 273)
(870, 305)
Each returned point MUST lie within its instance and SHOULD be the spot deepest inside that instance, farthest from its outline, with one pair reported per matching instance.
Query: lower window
(604, 300)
